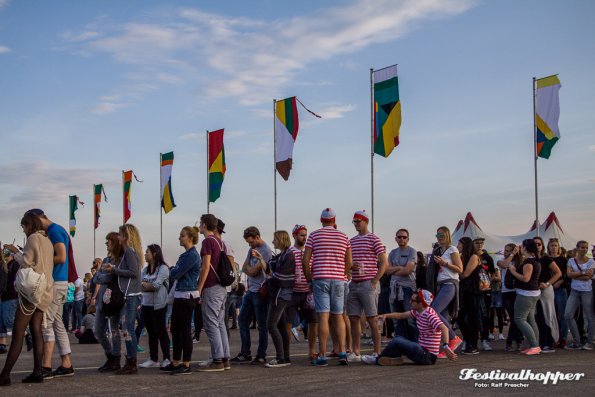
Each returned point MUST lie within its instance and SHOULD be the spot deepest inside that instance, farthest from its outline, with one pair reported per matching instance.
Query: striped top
(428, 324)
(365, 250)
(299, 282)
(329, 246)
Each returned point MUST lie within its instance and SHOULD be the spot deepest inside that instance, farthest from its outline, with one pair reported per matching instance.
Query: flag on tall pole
(74, 201)
(127, 198)
(387, 110)
(547, 114)
(216, 164)
(286, 130)
(167, 197)
(98, 190)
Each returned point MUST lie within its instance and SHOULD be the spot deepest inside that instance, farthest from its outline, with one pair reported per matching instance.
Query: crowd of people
(324, 284)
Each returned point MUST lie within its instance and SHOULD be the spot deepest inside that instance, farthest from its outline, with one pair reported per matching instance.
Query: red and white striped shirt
(428, 324)
(299, 282)
(365, 250)
(329, 246)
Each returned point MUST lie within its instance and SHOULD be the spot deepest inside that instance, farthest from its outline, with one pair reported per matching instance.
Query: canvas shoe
(165, 363)
(274, 363)
(181, 370)
(241, 359)
(354, 358)
(470, 351)
(572, 346)
(295, 334)
(548, 349)
(587, 346)
(491, 336)
(485, 345)
(320, 362)
(532, 351)
(502, 337)
(61, 372)
(369, 359)
(47, 373)
(150, 364)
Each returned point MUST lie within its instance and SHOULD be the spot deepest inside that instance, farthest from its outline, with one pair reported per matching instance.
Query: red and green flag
(74, 201)
(97, 191)
(387, 110)
(216, 160)
(126, 188)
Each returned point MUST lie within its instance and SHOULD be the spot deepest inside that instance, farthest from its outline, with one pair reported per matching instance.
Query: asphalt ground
(302, 379)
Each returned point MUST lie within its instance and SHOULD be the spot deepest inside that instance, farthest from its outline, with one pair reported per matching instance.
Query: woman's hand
(11, 248)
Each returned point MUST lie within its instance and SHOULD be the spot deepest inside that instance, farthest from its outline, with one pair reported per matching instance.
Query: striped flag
(286, 128)
(547, 114)
(74, 201)
(167, 197)
(387, 110)
(126, 188)
(97, 191)
(217, 166)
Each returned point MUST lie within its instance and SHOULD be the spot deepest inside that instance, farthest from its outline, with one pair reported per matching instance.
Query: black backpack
(225, 271)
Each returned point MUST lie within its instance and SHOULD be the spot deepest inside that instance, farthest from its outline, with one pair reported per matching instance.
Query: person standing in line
(68, 306)
(231, 256)
(369, 262)
(213, 296)
(402, 263)
(54, 332)
(186, 295)
(545, 314)
(79, 300)
(560, 288)
(526, 276)
(253, 303)
(330, 252)
(155, 277)
(580, 271)
(472, 300)
(38, 255)
(442, 276)
(299, 299)
(8, 299)
(104, 324)
(486, 277)
(512, 256)
(128, 273)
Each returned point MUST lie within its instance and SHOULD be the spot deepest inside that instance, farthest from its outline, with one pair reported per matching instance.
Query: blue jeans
(440, 304)
(576, 299)
(8, 310)
(128, 325)
(405, 328)
(253, 303)
(67, 314)
(114, 345)
(560, 299)
(77, 315)
(400, 346)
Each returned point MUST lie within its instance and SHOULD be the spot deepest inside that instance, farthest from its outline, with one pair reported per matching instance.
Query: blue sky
(92, 88)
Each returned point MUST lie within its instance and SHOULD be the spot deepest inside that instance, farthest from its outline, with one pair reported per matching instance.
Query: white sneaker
(371, 360)
(295, 334)
(354, 358)
(491, 336)
(502, 337)
(205, 363)
(165, 363)
(486, 346)
(149, 364)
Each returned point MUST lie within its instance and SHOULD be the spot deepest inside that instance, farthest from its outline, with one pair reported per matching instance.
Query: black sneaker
(61, 371)
(33, 378)
(258, 361)
(168, 368)
(181, 370)
(47, 373)
(470, 351)
(241, 359)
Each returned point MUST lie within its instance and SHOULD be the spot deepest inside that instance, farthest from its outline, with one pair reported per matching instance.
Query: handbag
(113, 298)
(31, 286)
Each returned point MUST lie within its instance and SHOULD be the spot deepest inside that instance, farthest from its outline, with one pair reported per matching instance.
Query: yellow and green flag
(167, 197)
(547, 114)
(387, 110)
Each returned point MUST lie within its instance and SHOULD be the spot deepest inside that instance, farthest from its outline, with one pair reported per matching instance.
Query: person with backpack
(155, 279)
(211, 287)
(37, 255)
(185, 294)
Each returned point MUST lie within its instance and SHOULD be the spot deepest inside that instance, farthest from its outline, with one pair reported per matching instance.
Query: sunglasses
(402, 237)
(440, 235)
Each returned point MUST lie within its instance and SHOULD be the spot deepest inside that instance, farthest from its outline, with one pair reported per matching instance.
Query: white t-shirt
(502, 277)
(580, 285)
(80, 294)
(445, 273)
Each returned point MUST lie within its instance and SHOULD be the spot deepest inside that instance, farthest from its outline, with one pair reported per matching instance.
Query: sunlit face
(582, 249)
(275, 242)
(184, 239)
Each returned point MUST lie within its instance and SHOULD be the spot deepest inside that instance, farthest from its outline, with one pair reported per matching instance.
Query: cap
(297, 228)
(425, 297)
(361, 215)
(327, 215)
(479, 239)
(220, 226)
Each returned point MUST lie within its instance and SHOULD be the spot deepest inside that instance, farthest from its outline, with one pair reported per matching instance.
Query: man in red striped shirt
(330, 251)
(369, 264)
(301, 290)
(432, 332)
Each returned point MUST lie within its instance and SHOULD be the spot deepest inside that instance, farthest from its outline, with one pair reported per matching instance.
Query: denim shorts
(329, 295)
(362, 298)
(8, 310)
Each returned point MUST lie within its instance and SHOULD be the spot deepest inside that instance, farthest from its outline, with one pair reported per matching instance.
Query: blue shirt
(57, 234)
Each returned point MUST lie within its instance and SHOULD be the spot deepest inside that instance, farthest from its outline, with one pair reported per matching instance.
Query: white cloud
(191, 136)
(335, 112)
(253, 60)
(4, 49)
(86, 35)
(3, 4)
(107, 108)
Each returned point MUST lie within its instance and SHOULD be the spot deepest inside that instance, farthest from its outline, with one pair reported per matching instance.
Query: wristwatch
(548, 283)
(444, 346)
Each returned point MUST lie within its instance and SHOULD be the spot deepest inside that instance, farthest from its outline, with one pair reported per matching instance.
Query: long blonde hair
(132, 236)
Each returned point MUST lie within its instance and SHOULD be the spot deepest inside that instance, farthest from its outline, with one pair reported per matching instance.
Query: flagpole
(93, 223)
(160, 204)
(372, 145)
(275, 160)
(208, 182)
(535, 160)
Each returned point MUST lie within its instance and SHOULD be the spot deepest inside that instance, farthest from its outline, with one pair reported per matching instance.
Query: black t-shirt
(9, 292)
(562, 263)
(546, 272)
(533, 283)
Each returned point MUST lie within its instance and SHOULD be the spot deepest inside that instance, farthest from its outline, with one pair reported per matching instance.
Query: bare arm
(382, 259)
(59, 253)
(306, 263)
(397, 316)
(526, 275)
(348, 261)
(471, 266)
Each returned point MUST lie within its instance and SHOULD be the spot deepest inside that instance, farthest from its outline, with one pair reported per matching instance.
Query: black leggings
(181, 328)
(467, 318)
(197, 321)
(277, 327)
(155, 324)
(21, 321)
